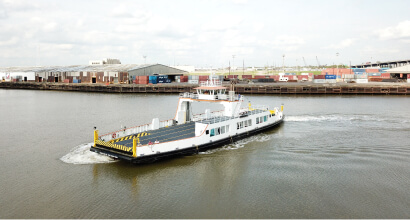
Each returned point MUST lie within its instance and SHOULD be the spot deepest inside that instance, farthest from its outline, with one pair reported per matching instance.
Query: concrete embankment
(258, 88)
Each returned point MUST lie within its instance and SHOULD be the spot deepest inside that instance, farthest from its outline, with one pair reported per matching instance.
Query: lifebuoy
(114, 135)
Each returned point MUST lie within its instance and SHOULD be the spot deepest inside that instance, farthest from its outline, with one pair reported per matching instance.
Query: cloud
(284, 42)
(343, 44)
(401, 31)
(241, 2)
(9, 42)
(222, 22)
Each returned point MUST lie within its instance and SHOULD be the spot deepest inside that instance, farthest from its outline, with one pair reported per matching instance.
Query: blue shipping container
(374, 74)
(330, 76)
(168, 81)
(359, 70)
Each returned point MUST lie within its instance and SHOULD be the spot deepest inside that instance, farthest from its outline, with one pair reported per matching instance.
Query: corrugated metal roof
(78, 68)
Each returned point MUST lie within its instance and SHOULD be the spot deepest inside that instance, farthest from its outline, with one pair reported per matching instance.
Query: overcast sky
(203, 33)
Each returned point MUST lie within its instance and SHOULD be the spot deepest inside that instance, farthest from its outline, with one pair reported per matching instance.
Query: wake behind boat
(186, 133)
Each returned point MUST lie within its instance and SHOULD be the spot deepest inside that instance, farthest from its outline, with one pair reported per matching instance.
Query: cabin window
(246, 124)
(227, 128)
(249, 122)
(265, 118)
(212, 132)
(207, 132)
(223, 130)
(257, 120)
(241, 124)
(218, 132)
(260, 119)
(237, 125)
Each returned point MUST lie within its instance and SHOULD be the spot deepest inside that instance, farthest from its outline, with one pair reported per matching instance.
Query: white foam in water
(319, 118)
(82, 155)
(240, 144)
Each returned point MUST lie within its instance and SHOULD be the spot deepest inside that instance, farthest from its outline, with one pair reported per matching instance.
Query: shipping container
(319, 81)
(389, 80)
(266, 80)
(348, 76)
(153, 79)
(330, 77)
(372, 70)
(193, 81)
(375, 79)
(330, 80)
(261, 77)
(362, 80)
(359, 70)
(303, 77)
(246, 76)
(374, 74)
(143, 78)
(319, 76)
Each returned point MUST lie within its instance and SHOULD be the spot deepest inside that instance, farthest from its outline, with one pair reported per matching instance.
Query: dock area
(279, 88)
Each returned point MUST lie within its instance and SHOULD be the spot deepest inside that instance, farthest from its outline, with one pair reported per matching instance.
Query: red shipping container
(143, 78)
(276, 77)
(246, 76)
(203, 78)
(135, 81)
(303, 77)
(372, 70)
(319, 76)
(232, 76)
(385, 75)
(260, 77)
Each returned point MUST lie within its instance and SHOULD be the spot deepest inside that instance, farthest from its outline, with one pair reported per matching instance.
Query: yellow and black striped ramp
(130, 137)
(115, 146)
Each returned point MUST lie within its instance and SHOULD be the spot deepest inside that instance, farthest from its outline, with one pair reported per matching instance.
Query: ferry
(186, 133)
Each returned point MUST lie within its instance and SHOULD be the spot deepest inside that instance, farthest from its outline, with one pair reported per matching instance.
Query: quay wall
(266, 88)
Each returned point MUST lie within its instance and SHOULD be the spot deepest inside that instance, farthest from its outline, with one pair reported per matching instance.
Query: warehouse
(155, 69)
(107, 73)
(401, 73)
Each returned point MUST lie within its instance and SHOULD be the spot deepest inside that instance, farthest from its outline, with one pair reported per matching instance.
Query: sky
(204, 33)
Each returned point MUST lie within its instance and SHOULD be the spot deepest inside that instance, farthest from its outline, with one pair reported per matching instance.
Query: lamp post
(283, 62)
(233, 63)
(337, 64)
(145, 62)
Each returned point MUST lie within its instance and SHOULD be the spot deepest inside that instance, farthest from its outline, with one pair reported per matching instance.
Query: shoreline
(277, 88)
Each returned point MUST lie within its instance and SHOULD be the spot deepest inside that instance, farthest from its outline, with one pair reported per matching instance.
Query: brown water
(333, 157)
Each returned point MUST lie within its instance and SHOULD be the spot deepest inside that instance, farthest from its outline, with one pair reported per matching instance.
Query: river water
(333, 157)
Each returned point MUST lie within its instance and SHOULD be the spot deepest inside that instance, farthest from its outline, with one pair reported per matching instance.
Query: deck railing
(134, 130)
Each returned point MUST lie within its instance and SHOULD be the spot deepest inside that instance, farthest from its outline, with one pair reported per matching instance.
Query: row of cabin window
(261, 119)
(243, 124)
(218, 131)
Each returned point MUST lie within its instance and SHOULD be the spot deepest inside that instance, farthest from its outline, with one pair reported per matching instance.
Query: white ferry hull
(189, 150)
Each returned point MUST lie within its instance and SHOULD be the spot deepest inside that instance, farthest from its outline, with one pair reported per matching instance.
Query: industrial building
(401, 72)
(384, 64)
(104, 73)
